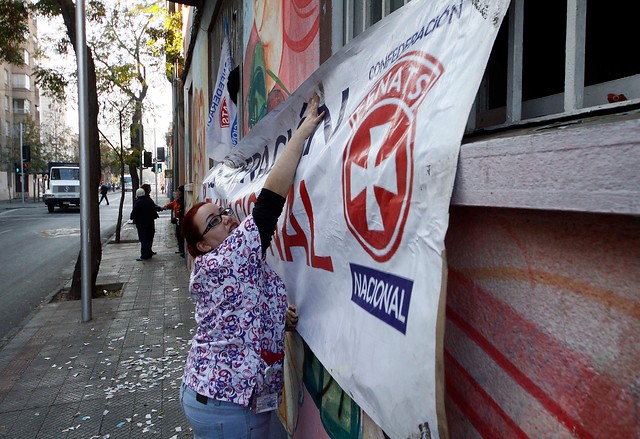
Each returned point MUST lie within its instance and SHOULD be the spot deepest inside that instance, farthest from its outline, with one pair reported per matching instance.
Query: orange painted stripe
(607, 298)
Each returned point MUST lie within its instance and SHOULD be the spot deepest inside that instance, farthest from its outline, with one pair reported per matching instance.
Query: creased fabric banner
(222, 127)
(361, 240)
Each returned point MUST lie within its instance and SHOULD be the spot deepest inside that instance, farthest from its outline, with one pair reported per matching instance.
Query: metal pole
(85, 160)
(155, 157)
(21, 166)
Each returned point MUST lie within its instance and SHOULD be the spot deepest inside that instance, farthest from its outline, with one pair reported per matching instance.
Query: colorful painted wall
(543, 324)
(199, 111)
(282, 49)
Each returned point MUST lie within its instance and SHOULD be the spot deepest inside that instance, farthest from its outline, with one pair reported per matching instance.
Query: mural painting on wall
(281, 50)
(199, 124)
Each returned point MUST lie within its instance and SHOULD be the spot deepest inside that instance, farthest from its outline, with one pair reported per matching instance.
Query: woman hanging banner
(361, 243)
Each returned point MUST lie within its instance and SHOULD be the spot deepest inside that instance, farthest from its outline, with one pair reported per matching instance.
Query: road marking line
(9, 210)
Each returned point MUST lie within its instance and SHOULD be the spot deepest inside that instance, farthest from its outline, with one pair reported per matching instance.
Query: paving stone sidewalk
(116, 376)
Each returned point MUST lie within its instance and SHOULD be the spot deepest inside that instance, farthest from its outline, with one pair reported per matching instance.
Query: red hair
(190, 231)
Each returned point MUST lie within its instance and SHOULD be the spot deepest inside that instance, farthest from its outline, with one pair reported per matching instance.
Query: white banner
(361, 240)
(222, 128)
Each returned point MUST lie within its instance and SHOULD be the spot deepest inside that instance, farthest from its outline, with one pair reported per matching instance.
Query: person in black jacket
(104, 190)
(144, 215)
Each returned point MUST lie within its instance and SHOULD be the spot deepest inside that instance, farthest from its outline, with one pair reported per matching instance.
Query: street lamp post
(85, 174)
(21, 165)
(155, 158)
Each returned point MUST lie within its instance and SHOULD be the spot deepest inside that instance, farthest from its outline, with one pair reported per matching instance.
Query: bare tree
(122, 111)
(66, 8)
(127, 50)
(68, 11)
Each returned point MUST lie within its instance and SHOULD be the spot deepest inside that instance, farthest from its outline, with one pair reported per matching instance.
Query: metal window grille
(361, 14)
(550, 60)
(555, 60)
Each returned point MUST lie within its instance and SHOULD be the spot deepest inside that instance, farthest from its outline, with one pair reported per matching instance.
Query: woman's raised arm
(284, 170)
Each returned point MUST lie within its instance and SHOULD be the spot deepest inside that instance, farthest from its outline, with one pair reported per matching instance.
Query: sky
(159, 95)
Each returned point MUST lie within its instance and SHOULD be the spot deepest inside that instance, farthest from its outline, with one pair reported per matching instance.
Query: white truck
(63, 185)
(127, 183)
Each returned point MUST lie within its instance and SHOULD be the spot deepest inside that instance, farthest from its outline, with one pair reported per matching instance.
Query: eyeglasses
(216, 220)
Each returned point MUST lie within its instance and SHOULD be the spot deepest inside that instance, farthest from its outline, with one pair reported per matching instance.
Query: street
(39, 252)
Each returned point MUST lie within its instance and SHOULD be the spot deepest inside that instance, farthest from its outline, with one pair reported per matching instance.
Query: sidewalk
(16, 203)
(118, 375)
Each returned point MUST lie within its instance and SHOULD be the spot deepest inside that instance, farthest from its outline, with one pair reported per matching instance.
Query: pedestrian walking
(233, 377)
(178, 213)
(104, 190)
(162, 189)
(144, 215)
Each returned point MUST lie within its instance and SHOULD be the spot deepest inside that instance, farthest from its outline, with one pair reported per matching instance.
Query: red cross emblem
(377, 169)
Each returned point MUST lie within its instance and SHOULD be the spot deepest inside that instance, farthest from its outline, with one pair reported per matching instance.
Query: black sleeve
(266, 213)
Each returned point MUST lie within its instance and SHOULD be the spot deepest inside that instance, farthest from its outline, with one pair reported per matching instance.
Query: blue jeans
(222, 419)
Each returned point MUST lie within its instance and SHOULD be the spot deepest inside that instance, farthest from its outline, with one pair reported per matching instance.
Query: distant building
(20, 100)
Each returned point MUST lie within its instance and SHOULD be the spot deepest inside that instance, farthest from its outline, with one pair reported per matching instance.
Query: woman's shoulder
(243, 236)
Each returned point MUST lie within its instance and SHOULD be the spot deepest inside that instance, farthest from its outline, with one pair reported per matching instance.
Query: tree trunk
(68, 12)
(137, 144)
(123, 193)
(135, 179)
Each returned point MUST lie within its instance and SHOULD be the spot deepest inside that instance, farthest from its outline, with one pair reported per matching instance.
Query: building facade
(20, 106)
(543, 245)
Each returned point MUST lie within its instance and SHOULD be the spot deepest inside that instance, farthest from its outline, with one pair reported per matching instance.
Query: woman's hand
(291, 320)
(283, 172)
(313, 118)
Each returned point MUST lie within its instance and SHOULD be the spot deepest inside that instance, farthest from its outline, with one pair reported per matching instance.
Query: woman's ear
(203, 247)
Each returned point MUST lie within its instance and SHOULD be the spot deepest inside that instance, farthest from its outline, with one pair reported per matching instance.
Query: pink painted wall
(309, 422)
(543, 324)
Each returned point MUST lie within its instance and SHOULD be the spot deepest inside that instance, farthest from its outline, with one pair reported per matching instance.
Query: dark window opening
(544, 37)
(610, 38)
(496, 72)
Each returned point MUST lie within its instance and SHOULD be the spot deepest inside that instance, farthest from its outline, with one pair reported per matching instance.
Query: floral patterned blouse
(240, 311)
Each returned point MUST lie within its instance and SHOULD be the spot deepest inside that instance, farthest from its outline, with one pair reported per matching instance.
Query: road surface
(38, 252)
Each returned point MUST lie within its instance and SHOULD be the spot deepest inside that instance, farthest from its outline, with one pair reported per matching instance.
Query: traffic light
(160, 154)
(25, 167)
(26, 152)
(148, 159)
(158, 167)
(16, 167)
